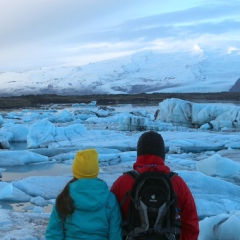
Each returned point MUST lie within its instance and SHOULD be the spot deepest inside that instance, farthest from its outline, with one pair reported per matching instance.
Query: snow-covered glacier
(146, 71)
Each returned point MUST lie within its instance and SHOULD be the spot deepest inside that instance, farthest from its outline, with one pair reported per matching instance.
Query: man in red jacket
(151, 153)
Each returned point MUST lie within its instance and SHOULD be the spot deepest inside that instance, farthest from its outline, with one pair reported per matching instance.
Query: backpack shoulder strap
(172, 175)
(133, 173)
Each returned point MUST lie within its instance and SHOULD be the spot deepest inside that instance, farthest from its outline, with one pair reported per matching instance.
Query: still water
(44, 169)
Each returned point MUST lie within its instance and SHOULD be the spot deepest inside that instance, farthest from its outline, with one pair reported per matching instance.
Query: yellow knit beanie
(85, 164)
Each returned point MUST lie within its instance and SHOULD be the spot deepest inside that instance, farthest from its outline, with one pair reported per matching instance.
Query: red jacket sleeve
(186, 203)
(120, 188)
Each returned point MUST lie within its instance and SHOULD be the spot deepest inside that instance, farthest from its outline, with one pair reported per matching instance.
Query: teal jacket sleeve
(55, 228)
(115, 221)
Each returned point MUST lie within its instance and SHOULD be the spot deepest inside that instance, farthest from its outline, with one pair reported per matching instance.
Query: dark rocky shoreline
(29, 101)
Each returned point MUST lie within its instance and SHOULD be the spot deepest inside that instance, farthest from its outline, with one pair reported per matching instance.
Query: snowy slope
(148, 71)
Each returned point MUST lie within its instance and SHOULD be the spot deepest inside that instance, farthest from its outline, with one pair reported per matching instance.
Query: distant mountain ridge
(142, 72)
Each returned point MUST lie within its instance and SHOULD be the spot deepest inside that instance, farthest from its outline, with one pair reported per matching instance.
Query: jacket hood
(146, 162)
(89, 194)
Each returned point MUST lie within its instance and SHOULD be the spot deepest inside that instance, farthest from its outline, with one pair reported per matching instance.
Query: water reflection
(49, 169)
(18, 146)
(24, 207)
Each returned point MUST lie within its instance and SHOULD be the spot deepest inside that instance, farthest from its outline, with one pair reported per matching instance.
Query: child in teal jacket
(85, 209)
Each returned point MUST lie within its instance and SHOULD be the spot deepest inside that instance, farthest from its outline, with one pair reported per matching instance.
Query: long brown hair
(64, 202)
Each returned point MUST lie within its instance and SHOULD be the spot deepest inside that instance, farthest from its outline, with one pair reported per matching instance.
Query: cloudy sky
(44, 33)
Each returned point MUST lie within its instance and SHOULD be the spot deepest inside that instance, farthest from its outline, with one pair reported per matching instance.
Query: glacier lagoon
(41, 145)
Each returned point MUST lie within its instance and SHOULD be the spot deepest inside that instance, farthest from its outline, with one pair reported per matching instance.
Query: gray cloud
(159, 31)
(207, 19)
(201, 13)
(27, 20)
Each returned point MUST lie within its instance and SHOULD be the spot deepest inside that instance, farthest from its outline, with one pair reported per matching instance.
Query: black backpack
(152, 212)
